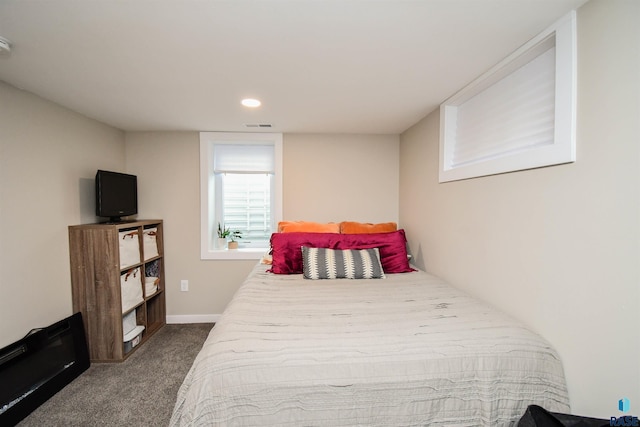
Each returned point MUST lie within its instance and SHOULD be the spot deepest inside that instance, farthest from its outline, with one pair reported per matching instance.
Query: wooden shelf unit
(96, 285)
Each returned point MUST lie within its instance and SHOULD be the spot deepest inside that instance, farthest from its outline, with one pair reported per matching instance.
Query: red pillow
(287, 253)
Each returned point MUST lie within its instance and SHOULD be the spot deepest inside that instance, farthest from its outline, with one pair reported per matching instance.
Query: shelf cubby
(97, 274)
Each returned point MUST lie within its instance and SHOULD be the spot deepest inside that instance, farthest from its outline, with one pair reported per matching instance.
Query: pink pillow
(287, 252)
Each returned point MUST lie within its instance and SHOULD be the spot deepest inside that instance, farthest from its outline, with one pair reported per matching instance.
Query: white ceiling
(339, 66)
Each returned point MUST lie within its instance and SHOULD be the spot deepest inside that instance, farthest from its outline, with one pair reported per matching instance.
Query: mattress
(408, 349)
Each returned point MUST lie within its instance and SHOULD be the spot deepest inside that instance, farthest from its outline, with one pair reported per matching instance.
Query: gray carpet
(140, 391)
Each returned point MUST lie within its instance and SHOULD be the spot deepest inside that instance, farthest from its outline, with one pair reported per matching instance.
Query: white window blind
(519, 115)
(245, 158)
(516, 113)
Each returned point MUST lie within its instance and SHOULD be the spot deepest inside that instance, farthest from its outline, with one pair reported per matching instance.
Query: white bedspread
(405, 350)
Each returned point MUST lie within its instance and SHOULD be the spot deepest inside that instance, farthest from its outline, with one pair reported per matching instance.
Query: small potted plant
(234, 235)
(223, 233)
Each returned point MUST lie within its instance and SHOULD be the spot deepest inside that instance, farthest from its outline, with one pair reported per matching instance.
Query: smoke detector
(5, 46)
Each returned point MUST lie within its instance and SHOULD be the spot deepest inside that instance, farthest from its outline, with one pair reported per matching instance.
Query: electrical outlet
(184, 285)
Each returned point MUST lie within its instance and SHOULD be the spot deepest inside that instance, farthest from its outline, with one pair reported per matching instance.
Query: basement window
(241, 189)
(519, 115)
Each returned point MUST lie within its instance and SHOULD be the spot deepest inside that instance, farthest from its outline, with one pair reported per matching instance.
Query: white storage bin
(129, 245)
(150, 285)
(129, 322)
(150, 243)
(133, 338)
(131, 289)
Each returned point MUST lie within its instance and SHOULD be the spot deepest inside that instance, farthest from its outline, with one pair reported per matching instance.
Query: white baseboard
(193, 318)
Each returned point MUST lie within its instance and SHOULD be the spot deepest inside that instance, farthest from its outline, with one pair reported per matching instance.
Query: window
(241, 188)
(519, 115)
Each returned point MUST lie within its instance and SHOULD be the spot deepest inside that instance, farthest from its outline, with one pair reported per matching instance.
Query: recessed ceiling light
(250, 102)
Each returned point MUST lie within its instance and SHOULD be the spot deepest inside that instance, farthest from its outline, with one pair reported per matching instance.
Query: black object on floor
(536, 416)
(36, 367)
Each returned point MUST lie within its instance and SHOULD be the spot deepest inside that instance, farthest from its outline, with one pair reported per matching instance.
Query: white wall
(333, 178)
(322, 182)
(557, 247)
(48, 159)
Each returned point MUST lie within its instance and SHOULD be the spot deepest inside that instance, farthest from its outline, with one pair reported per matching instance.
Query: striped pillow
(324, 263)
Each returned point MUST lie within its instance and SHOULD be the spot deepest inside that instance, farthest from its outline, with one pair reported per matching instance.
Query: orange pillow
(350, 227)
(307, 227)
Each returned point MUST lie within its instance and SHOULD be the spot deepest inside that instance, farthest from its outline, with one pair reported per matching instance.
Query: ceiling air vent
(258, 125)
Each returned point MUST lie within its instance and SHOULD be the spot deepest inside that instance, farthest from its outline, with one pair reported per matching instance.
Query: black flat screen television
(116, 195)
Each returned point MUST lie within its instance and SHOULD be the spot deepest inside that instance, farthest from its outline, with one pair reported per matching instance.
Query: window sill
(235, 254)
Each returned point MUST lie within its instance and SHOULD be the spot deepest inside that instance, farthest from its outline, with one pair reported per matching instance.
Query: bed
(404, 349)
